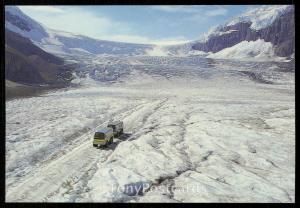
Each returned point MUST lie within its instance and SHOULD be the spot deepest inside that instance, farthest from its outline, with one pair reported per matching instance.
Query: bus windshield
(99, 135)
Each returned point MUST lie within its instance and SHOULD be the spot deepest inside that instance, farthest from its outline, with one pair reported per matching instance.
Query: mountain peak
(17, 21)
(261, 17)
(258, 18)
(272, 24)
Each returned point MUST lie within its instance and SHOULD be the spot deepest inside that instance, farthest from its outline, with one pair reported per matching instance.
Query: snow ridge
(246, 50)
(259, 18)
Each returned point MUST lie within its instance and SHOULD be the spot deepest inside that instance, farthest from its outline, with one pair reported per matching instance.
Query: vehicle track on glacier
(63, 148)
(64, 154)
(50, 175)
(83, 187)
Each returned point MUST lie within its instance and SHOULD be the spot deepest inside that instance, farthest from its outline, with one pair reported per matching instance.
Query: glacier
(199, 127)
(196, 130)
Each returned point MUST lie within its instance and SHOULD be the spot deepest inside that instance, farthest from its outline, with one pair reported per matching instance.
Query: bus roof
(104, 130)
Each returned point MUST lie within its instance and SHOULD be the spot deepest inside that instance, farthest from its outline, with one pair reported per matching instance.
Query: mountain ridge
(61, 42)
(280, 33)
(274, 24)
(26, 63)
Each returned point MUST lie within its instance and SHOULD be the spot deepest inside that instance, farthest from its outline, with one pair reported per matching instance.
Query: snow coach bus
(117, 127)
(103, 137)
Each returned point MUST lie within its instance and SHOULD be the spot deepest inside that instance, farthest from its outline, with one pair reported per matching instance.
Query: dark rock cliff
(28, 64)
(281, 33)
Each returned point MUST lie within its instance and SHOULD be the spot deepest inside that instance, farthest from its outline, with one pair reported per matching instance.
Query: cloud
(80, 21)
(204, 16)
(197, 14)
(76, 20)
(145, 40)
(126, 38)
(97, 25)
(171, 41)
(170, 8)
(221, 11)
(209, 11)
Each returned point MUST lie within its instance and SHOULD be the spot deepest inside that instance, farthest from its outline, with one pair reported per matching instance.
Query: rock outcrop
(28, 64)
(281, 33)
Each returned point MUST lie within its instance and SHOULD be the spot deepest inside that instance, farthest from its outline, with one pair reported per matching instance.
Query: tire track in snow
(67, 162)
(82, 188)
(135, 130)
(39, 177)
(63, 149)
(155, 106)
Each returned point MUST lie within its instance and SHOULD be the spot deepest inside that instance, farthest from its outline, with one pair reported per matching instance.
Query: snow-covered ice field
(197, 130)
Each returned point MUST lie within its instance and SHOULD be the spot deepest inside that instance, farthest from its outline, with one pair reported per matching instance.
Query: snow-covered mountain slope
(184, 49)
(28, 64)
(17, 21)
(258, 19)
(60, 42)
(261, 17)
(240, 38)
(258, 50)
(179, 50)
(274, 24)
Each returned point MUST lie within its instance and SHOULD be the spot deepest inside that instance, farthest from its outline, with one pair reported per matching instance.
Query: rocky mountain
(28, 64)
(262, 33)
(274, 24)
(60, 42)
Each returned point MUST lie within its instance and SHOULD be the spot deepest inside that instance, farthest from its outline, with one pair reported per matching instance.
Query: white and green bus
(103, 137)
